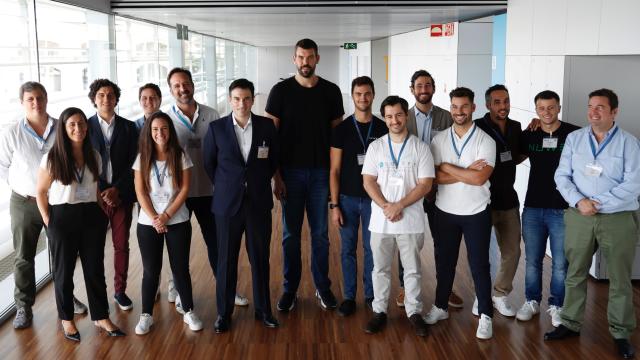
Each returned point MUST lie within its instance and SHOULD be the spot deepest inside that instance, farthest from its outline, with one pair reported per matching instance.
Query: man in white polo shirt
(397, 173)
(464, 156)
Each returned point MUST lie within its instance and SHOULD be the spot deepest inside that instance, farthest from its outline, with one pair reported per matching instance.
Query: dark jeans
(73, 230)
(151, 244)
(477, 233)
(355, 210)
(307, 189)
(201, 206)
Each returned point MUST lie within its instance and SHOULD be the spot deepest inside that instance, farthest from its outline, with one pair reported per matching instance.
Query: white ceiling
(277, 23)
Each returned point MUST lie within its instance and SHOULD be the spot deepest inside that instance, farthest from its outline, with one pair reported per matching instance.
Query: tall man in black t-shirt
(505, 208)
(304, 108)
(350, 204)
(543, 214)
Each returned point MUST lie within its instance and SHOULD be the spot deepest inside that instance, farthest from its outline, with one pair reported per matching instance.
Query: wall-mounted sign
(350, 46)
(438, 30)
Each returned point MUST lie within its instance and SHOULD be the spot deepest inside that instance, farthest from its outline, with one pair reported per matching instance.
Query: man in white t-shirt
(464, 156)
(397, 173)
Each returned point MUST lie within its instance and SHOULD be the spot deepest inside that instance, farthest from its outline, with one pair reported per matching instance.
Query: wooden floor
(308, 332)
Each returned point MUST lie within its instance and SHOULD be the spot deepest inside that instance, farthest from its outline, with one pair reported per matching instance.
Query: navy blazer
(230, 175)
(124, 149)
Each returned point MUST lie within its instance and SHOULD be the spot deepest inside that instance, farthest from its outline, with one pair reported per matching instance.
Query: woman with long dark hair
(162, 173)
(67, 197)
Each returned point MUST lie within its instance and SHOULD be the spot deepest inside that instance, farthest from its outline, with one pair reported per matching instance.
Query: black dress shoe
(561, 332)
(222, 324)
(419, 325)
(348, 307)
(377, 322)
(73, 337)
(268, 320)
(625, 349)
(111, 333)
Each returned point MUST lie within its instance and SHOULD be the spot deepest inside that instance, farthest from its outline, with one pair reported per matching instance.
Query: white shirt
(243, 136)
(21, 151)
(190, 135)
(107, 133)
(163, 194)
(460, 198)
(416, 163)
(74, 193)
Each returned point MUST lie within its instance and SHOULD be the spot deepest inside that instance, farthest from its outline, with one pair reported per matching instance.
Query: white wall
(475, 42)
(379, 56)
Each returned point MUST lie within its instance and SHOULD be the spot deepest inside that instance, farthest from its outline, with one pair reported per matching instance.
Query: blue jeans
(307, 189)
(354, 210)
(537, 225)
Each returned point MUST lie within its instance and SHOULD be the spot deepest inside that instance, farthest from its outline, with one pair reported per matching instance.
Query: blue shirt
(140, 124)
(423, 123)
(618, 186)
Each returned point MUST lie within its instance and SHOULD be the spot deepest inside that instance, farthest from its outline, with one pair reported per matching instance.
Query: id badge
(593, 170)
(360, 159)
(505, 156)
(549, 143)
(395, 179)
(82, 193)
(263, 152)
(194, 143)
(160, 197)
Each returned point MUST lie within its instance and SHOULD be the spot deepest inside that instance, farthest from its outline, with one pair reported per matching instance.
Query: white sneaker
(527, 310)
(501, 303)
(179, 308)
(192, 320)
(474, 308)
(241, 300)
(555, 312)
(436, 314)
(485, 328)
(172, 293)
(144, 324)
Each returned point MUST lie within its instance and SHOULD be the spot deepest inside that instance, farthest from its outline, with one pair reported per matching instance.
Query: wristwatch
(334, 206)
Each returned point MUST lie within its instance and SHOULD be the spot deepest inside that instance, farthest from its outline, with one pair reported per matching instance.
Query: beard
(306, 71)
(424, 98)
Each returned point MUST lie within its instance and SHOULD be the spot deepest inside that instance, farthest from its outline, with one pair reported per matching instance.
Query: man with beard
(191, 121)
(350, 204)
(304, 108)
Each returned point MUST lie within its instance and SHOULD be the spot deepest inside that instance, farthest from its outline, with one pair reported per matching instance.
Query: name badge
(82, 193)
(361, 159)
(395, 179)
(263, 152)
(161, 197)
(505, 156)
(593, 170)
(549, 143)
(194, 143)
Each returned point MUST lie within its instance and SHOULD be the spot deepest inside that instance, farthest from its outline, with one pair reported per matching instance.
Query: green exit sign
(350, 46)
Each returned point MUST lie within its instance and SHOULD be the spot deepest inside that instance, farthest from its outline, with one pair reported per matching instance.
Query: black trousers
(256, 224)
(78, 230)
(151, 244)
(477, 234)
(201, 206)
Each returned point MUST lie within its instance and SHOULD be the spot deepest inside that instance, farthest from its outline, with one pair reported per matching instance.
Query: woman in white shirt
(162, 173)
(67, 197)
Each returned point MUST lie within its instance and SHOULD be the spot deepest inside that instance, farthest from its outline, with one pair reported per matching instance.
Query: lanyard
(453, 142)
(363, 141)
(604, 144)
(79, 174)
(498, 134)
(33, 134)
(182, 119)
(160, 176)
(424, 125)
(396, 162)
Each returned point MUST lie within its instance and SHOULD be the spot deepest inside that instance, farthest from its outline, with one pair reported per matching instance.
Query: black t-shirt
(542, 191)
(305, 121)
(503, 195)
(345, 137)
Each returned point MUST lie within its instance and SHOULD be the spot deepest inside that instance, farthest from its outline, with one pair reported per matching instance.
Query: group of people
(380, 175)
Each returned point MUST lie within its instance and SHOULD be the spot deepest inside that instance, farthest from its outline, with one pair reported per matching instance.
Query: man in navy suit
(116, 139)
(240, 154)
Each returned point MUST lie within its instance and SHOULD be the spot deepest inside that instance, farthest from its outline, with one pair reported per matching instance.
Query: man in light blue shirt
(599, 176)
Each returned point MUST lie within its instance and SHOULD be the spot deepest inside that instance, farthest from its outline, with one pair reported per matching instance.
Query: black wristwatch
(334, 206)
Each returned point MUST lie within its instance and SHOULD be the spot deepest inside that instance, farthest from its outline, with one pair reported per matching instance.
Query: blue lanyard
(424, 125)
(33, 134)
(363, 141)
(604, 144)
(184, 121)
(498, 134)
(453, 142)
(79, 174)
(396, 162)
(160, 176)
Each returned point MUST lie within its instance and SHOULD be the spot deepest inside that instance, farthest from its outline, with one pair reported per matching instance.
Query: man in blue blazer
(240, 154)
(116, 139)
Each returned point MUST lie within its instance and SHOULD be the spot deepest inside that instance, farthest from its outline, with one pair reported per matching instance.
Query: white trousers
(383, 247)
